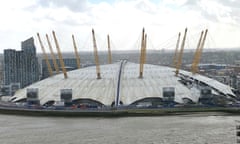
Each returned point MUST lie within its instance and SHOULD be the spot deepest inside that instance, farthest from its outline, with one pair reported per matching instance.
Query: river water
(189, 129)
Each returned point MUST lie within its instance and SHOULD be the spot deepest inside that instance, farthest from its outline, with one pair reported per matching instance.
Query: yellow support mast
(52, 55)
(76, 53)
(109, 50)
(145, 49)
(176, 51)
(179, 64)
(200, 50)
(60, 56)
(96, 55)
(142, 54)
(194, 63)
(45, 56)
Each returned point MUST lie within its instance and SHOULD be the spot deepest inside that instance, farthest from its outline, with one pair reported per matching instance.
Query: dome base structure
(120, 86)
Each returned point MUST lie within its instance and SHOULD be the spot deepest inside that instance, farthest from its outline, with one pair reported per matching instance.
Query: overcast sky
(123, 20)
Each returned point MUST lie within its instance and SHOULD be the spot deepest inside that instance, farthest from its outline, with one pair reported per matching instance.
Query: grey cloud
(214, 16)
(230, 3)
(81, 8)
(235, 14)
(191, 2)
(145, 6)
(235, 10)
(73, 5)
(195, 5)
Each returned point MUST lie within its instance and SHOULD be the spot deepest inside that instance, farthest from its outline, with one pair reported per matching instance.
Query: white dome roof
(126, 86)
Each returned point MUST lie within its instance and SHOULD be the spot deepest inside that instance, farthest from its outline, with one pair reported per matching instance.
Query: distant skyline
(123, 20)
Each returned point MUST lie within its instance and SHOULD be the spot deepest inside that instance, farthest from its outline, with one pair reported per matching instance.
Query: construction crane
(60, 56)
(194, 63)
(109, 50)
(176, 51)
(142, 54)
(199, 52)
(96, 55)
(45, 56)
(76, 52)
(52, 55)
(181, 53)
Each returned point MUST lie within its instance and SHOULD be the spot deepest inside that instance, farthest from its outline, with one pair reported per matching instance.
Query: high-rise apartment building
(21, 66)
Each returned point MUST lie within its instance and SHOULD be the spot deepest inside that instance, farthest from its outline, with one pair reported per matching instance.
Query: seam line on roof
(117, 102)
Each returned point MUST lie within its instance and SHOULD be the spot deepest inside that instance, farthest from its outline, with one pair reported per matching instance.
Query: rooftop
(120, 82)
